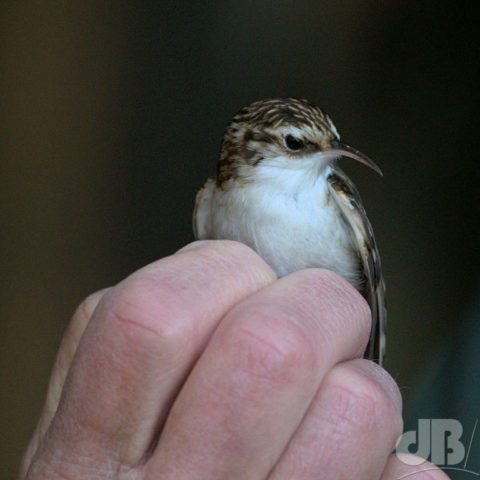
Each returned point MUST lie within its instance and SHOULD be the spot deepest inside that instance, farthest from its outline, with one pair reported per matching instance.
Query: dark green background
(111, 119)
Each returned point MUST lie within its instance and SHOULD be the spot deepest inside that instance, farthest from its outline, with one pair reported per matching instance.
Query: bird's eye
(293, 143)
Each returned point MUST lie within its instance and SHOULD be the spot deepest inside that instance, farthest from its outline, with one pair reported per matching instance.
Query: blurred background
(112, 115)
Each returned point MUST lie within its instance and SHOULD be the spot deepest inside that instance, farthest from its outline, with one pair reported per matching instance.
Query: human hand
(202, 365)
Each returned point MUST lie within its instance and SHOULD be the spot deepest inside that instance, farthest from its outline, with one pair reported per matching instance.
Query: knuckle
(376, 375)
(281, 356)
(368, 391)
(146, 310)
(360, 404)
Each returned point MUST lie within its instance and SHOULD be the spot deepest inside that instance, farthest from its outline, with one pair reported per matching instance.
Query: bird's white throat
(292, 176)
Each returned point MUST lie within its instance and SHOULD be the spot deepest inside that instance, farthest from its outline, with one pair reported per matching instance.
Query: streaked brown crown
(256, 130)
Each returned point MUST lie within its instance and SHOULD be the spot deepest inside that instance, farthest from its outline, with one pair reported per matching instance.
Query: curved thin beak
(340, 148)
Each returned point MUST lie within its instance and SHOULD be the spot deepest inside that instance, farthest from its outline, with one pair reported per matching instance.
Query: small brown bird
(279, 190)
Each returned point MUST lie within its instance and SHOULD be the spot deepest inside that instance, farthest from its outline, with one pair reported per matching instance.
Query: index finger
(142, 340)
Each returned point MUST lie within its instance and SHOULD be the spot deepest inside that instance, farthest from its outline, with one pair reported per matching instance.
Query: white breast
(293, 227)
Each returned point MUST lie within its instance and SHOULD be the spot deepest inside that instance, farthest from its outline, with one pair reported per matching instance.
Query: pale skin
(203, 365)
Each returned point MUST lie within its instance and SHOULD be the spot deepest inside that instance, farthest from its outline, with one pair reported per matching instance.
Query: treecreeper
(278, 189)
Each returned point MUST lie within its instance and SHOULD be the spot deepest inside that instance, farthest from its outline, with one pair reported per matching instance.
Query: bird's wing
(202, 211)
(348, 200)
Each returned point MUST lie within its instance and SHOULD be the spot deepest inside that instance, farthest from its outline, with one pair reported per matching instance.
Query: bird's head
(281, 133)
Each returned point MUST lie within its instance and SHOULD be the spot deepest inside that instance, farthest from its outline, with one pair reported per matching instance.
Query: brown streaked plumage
(278, 189)
(263, 118)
